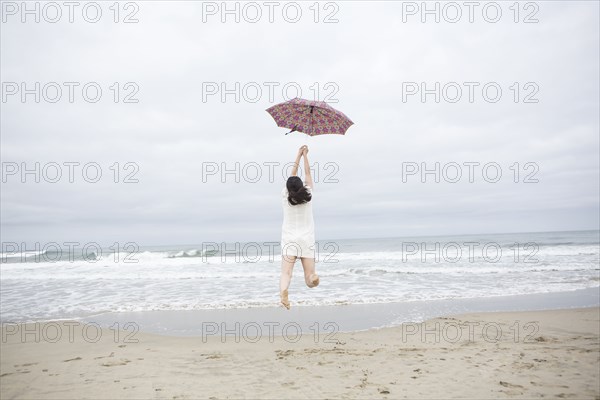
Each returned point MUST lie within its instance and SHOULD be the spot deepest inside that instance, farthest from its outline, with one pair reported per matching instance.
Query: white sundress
(298, 229)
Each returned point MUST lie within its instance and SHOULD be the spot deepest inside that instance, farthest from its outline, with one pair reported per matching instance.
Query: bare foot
(284, 299)
(314, 279)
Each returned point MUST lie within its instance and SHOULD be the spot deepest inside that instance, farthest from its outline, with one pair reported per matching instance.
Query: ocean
(51, 284)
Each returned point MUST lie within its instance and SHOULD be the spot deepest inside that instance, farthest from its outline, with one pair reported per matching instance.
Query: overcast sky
(367, 63)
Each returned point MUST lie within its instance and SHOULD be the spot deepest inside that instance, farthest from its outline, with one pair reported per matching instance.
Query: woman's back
(298, 225)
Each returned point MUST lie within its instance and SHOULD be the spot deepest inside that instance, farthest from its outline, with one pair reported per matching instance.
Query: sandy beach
(533, 354)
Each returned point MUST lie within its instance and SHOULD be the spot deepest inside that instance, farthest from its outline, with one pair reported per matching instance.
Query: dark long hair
(297, 192)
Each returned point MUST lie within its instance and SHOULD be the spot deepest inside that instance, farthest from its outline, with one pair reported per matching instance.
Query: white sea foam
(188, 279)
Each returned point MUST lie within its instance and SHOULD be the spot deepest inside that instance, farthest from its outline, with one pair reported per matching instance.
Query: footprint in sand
(115, 363)
(281, 354)
(110, 355)
(510, 385)
(212, 356)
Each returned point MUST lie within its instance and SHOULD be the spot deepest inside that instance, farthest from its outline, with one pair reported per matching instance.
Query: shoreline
(344, 318)
(526, 354)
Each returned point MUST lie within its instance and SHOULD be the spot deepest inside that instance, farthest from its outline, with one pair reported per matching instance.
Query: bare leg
(310, 277)
(287, 265)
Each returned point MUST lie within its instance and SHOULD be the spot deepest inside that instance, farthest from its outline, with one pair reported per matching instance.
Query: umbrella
(310, 117)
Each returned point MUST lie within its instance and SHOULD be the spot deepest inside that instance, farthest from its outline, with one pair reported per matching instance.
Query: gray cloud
(171, 132)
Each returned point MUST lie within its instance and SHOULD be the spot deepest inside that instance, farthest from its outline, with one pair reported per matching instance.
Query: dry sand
(480, 356)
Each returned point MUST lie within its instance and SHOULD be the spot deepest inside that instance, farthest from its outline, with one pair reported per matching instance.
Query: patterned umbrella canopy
(311, 117)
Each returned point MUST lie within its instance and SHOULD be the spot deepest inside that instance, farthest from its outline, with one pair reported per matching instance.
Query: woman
(298, 230)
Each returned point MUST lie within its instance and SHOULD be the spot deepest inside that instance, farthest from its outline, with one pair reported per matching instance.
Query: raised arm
(307, 176)
(297, 162)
